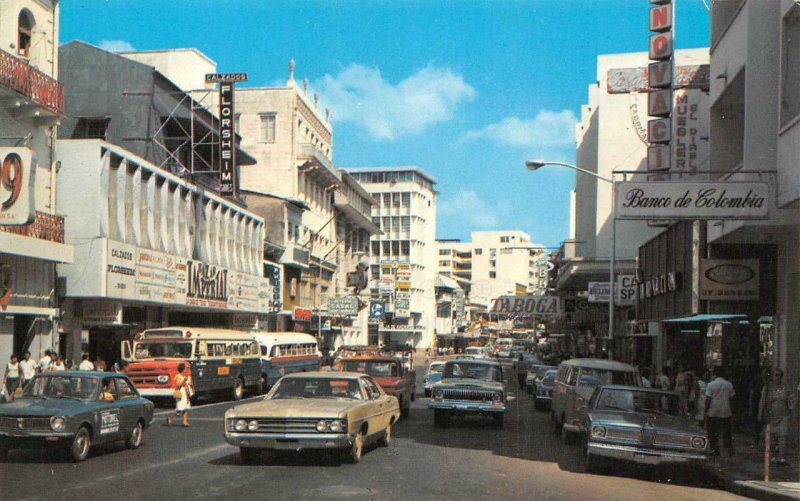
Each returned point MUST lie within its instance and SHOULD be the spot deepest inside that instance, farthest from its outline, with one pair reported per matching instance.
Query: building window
(91, 128)
(790, 67)
(376, 249)
(492, 274)
(26, 22)
(492, 263)
(504, 240)
(267, 133)
(478, 252)
(444, 252)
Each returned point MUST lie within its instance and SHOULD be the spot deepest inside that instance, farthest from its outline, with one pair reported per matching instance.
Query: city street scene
(373, 250)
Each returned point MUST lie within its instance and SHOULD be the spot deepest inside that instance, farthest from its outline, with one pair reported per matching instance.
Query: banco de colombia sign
(692, 200)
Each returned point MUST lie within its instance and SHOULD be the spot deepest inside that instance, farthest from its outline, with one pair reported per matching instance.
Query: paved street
(468, 460)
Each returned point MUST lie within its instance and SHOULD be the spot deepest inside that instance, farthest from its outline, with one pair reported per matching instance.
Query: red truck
(394, 372)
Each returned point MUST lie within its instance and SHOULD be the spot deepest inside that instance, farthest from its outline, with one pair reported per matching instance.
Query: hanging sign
(729, 279)
(692, 200)
(527, 305)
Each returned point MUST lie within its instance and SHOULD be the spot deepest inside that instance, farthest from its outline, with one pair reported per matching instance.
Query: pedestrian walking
(682, 385)
(775, 407)
(86, 364)
(28, 366)
(700, 392)
(522, 370)
(182, 391)
(46, 361)
(11, 377)
(718, 412)
(59, 365)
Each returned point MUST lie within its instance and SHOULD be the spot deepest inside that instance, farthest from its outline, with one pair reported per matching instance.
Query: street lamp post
(533, 165)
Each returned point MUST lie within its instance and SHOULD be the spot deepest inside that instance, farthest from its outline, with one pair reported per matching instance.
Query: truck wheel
(238, 389)
(427, 393)
(81, 444)
(566, 437)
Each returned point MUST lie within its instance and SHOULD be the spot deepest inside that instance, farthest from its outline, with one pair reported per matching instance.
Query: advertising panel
(402, 305)
(17, 186)
(598, 292)
(729, 279)
(102, 313)
(527, 305)
(692, 200)
(343, 306)
(121, 270)
(386, 285)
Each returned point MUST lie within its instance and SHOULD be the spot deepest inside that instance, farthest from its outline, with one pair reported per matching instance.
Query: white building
(31, 223)
(755, 117)
(405, 210)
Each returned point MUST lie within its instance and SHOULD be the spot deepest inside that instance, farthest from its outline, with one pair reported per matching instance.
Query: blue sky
(465, 89)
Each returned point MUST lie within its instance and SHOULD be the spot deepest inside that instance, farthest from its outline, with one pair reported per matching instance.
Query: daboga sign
(527, 305)
(692, 200)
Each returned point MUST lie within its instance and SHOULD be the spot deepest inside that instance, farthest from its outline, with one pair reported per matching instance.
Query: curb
(754, 489)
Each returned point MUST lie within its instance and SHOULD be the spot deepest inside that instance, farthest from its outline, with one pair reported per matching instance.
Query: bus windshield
(163, 349)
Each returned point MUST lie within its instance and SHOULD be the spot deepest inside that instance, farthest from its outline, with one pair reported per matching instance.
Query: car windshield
(77, 387)
(549, 376)
(156, 349)
(597, 377)
(436, 368)
(377, 368)
(316, 388)
(639, 401)
(471, 371)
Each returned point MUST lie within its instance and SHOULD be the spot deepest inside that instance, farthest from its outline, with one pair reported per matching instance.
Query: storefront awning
(707, 317)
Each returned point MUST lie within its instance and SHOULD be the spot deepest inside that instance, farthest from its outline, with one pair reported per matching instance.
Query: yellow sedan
(314, 410)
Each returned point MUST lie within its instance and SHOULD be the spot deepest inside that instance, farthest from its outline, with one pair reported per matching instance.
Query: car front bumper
(467, 407)
(156, 392)
(33, 439)
(642, 455)
(289, 441)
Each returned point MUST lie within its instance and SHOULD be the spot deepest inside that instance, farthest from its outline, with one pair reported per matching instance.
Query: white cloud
(116, 46)
(548, 130)
(468, 206)
(360, 95)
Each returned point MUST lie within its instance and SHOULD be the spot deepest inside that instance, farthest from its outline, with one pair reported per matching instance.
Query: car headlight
(337, 426)
(58, 423)
(599, 431)
(240, 425)
(252, 425)
(162, 379)
(497, 397)
(322, 425)
(698, 442)
(438, 394)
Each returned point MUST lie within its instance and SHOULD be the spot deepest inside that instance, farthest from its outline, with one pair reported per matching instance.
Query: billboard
(692, 200)
(527, 305)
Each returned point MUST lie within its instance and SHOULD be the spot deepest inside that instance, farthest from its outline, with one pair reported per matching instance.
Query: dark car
(543, 389)
(642, 425)
(73, 410)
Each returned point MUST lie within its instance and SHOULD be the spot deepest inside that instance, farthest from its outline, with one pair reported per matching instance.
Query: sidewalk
(743, 474)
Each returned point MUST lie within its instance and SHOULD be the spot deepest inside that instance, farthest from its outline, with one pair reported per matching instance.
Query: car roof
(83, 374)
(326, 375)
(634, 388)
(377, 358)
(599, 363)
(475, 361)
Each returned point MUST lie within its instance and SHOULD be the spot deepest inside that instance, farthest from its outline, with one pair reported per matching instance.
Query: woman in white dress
(182, 391)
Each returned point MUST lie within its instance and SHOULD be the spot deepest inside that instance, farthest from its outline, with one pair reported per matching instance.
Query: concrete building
(32, 239)
(405, 254)
(611, 136)
(502, 264)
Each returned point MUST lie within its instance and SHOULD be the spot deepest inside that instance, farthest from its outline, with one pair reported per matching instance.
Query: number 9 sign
(11, 179)
(17, 172)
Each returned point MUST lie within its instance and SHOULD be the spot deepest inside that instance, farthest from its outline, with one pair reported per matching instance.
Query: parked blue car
(73, 410)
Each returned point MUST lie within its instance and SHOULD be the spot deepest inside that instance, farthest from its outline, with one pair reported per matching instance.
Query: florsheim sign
(692, 200)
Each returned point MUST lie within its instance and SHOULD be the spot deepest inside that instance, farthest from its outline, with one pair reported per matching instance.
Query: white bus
(286, 352)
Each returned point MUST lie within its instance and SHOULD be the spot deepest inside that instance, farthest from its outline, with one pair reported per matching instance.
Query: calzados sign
(527, 305)
(692, 200)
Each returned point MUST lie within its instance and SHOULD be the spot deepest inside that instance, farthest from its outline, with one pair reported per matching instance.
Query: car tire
(249, 455)
(405, 408)
(81, 445)
(498, 420)
(134, 440)
(356, 449)
(440, 418)
(427, 393)
(238, 389)
(567, 437)
(386, 439)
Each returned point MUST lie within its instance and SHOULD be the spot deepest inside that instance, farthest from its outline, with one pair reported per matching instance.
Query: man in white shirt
(718, 412)
(86, 364)
(28, 366)
(45, 361)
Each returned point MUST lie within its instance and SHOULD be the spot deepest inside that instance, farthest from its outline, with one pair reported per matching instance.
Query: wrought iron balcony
(16, 74)
(44, 227)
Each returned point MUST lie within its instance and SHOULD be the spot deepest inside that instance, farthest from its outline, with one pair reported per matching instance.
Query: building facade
(404, 256)
(32, 240)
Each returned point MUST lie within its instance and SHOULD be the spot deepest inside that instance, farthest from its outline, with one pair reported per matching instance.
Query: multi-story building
(503, 263)
(31, 223)
(405, 260)
(154, 244)
(611, 136)
(455, 261)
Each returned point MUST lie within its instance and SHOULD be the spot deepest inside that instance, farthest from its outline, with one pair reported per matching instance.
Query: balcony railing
(18, 75)
(295, 254)
(44, 227)
(318, 163)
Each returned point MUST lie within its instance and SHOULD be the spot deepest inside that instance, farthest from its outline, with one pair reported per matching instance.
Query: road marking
(114, 477)
(206, 406)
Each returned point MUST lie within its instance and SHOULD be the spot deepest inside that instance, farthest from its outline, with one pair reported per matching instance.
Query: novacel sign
(146, 275)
